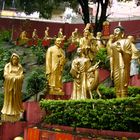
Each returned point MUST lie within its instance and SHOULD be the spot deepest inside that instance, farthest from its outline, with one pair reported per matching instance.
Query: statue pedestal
(67, 89)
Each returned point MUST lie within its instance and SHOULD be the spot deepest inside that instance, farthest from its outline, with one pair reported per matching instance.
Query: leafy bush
(36, 82)
(39, 52)
(1, 100)
(109, 92)
(114, 114)
(66, 76)
(102, 57)
(4, 57)
(5, 35)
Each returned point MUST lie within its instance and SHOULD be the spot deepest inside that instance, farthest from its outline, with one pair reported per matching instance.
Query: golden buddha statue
(34, 35)
(60, 33)
(87, 43)
(121, 57)
(13, 75)
(46, 36)
(23, 39)
(74, 41)
(100, 43)
(86, 77)
(75, 36)
(55, 60)
(89, 27)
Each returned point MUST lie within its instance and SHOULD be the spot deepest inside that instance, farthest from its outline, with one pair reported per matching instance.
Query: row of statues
(121, 51)
(24, 37)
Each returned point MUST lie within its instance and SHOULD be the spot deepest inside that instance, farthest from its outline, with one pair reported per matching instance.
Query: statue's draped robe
(85, 78)
(13, 76)
(55, 60)
(121, 57)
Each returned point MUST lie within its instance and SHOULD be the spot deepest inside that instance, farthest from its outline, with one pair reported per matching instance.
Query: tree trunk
(85, 10)
(103, 17)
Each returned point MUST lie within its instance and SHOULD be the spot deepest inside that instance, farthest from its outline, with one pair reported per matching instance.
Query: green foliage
(5, 35)
(106, 92)
(39, 52)
(47, 9)
(36, 82)
(114, 114)
(102, 57)
(109, 92)
(1, 100)
(67, 77)
(4, 57)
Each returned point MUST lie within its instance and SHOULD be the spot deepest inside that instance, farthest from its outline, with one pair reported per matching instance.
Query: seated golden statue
(86, 77)
(13, 75)
(121, 57)
(55, 60)
(23, 39)
(74, 41)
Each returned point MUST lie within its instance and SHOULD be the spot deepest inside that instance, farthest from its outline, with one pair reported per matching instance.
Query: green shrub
(109, 92)
(36, 82)
(5, 35)
(1, 100)
(39, 52)
(113, 114)
(102, 57)
(4, 57)
(66, 76)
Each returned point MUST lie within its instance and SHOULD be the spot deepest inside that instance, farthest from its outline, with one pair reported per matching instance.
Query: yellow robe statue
(13, 75)
(55, 60)
(121, 58)
(86, 77)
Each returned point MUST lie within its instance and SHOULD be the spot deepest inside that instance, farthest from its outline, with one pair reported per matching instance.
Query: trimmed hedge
(114, 114)
(109, 92)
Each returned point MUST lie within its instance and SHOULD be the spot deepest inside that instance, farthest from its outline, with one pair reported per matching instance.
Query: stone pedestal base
(10, 118)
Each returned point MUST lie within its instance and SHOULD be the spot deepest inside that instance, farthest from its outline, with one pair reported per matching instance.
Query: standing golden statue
(34, 35)
(34, 38)
(55, 60)
(13, 75)
(46, 36)
(86, 77)
(60, 33)
(121, 57)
